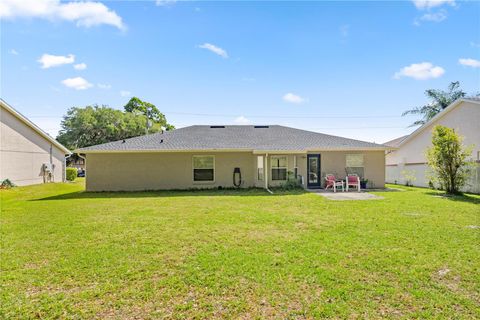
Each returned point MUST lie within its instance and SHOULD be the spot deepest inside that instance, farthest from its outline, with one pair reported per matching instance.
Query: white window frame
(193, 169)
(356, 154)
(286, 166)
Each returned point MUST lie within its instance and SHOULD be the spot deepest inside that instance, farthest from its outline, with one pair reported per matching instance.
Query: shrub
(292, 182)
(7, 184)
(409, 177)
(71, 174)
(448, 159)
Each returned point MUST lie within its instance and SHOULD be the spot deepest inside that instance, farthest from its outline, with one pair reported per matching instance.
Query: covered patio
(313, 167)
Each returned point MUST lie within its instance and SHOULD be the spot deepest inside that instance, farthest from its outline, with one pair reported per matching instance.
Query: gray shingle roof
(395, 142)
(237, 137)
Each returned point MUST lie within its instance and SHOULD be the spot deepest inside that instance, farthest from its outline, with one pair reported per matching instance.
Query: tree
(447, 158)
(137, 106)
(82, 127)
(439, 100)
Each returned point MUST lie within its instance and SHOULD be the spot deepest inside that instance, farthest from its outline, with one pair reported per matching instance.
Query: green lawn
(237, 254)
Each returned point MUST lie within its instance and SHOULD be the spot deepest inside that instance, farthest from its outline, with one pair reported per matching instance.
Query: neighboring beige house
(409, 160)
(28, 155)
(215, 156)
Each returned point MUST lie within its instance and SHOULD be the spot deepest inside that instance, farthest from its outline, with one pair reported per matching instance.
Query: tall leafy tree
(82, 127)
(439, 100)
(448, 159)
(138, 106)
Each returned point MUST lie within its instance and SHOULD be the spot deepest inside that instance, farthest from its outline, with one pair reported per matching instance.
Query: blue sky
(344, 68)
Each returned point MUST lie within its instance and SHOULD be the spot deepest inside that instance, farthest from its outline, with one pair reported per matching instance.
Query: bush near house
(292, 182)
(448, 159)
(71, 174)
(7, 184)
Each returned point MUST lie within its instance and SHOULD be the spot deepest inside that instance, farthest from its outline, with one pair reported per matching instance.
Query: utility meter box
(47, 167)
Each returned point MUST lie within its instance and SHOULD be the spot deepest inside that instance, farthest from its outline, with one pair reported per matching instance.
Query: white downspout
(84, 159)
(266, 174)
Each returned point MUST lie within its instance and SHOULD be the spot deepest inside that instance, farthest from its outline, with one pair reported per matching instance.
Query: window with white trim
(279, 168)
(355, 165)
(204, 168)
(260, 172)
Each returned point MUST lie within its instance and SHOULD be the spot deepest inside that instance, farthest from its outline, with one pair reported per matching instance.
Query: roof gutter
(386, 148)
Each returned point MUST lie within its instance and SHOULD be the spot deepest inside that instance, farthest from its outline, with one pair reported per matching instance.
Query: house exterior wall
(334, 162)
(23, 152)
(164, 170)
(411, 157)
(374, 165)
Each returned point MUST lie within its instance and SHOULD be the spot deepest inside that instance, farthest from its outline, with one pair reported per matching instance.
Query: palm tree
(439, 100)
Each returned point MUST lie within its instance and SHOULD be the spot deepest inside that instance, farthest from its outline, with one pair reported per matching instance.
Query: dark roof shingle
(395, 142)
(235, 137)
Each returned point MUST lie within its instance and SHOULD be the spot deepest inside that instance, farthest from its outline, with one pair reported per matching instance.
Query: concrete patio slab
(343, 196)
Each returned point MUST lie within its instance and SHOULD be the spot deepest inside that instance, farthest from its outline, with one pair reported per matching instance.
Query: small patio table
(343, 183)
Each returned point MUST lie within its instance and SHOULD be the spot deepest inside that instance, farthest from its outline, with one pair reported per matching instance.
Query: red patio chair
(352, 180)
(331, 182)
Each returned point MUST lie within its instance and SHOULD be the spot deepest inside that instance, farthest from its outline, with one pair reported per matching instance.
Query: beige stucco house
(28, 155)
(216, 156)
(409, 159)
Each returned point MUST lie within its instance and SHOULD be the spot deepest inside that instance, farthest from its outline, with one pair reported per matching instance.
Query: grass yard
(237, 254)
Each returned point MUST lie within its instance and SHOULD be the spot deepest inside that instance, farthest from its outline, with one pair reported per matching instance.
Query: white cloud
(104, 86)
(217, 50)
(163, 3)
(85, 13)
(293, 98)
(80, 66)
(77, 83)
(49, 60)
(427, 4)
(469, 62)
(242, 120)
(434, 17)
(125, 93)
(420, 71)
(475, 44)
(14, 52)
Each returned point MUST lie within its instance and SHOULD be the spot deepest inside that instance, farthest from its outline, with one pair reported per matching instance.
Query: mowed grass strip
(237, 254)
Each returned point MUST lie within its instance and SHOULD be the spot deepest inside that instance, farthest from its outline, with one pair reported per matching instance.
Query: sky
(342, 68)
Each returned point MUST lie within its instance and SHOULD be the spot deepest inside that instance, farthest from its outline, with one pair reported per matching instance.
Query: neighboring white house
(409, 160)
(28, 155)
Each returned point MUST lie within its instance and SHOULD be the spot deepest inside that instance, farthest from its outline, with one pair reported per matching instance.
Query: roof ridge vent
(217, 127)
(261, 127)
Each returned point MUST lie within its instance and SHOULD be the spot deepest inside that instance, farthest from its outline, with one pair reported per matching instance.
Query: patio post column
(265, 175)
